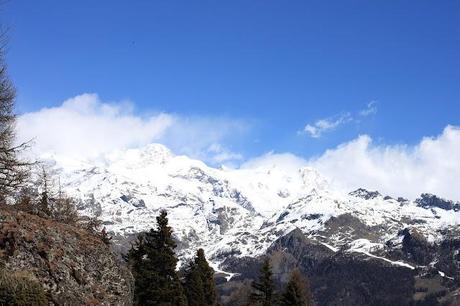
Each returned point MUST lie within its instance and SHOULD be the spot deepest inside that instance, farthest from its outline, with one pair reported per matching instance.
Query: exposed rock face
(449, 259)
(427, 200)
(416, 247)
(73, 266)
(347, 227)
(365, 194)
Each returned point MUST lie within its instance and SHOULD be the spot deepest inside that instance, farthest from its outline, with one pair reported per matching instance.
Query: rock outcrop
(427, 200)
(73, 266)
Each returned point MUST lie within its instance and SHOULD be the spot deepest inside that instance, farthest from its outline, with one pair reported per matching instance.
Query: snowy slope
(239, 212)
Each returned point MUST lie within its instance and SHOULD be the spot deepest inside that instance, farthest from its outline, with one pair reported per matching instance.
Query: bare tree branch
(13, 171)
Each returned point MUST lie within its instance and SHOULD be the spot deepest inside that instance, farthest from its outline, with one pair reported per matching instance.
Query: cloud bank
(85, 127)
(433, 165)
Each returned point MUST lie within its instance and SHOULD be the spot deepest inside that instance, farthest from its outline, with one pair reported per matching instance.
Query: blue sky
(275, 66)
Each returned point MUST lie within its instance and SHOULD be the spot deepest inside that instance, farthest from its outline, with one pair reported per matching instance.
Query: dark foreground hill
(338, 277)
(73, 266)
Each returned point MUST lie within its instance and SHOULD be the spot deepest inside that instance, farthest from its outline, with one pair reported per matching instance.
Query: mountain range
(239, 215)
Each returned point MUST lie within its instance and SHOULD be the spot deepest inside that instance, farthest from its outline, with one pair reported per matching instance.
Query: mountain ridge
(242, 211)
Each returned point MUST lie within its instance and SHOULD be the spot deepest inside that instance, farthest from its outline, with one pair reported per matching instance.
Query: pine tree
(297, 292)
(63, 207)
(64, 210)
(263, 289)
(199, 282)
(193, 286)
(44, 204)
(153, 263)
(135, 260)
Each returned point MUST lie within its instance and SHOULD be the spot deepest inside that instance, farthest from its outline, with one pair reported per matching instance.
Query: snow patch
(364, 246)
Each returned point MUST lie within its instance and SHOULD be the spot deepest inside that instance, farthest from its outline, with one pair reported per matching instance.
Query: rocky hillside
(73, 266)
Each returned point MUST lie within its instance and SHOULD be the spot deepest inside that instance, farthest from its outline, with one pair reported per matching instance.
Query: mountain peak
(428, 200)
(312, 178)
(152, 154)
(365, 194)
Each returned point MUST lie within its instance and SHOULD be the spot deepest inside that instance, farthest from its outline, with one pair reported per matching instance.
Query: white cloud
(205, 137)
(86, 127)
(371, 109)
(287, 161)
(220, 154)
(321, 126)
(433, 165)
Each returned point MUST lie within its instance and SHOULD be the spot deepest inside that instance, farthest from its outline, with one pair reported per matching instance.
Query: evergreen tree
(297, 292)
(263, 289)
(44, 205)
(134, 259)
(64, 210)
(193, 286)
(153, 263)
(199, 282)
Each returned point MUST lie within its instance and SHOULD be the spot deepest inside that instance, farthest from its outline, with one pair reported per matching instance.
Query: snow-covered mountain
(357, 247)
(241, 212)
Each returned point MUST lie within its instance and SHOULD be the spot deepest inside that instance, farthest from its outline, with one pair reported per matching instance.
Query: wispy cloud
(371, 109)
(318, 128)
(322, 126)
(221, 154)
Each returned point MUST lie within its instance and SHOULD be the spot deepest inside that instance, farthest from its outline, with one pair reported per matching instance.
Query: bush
(19, 289)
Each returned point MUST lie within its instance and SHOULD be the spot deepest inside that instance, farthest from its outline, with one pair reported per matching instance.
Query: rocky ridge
(73, 266)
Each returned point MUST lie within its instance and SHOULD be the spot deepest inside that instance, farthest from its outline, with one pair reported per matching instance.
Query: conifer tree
(264, 288)
(134, 259)
(44, 205)
(199, 282)
(297, 292)
(153, 263)
(193, 286)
